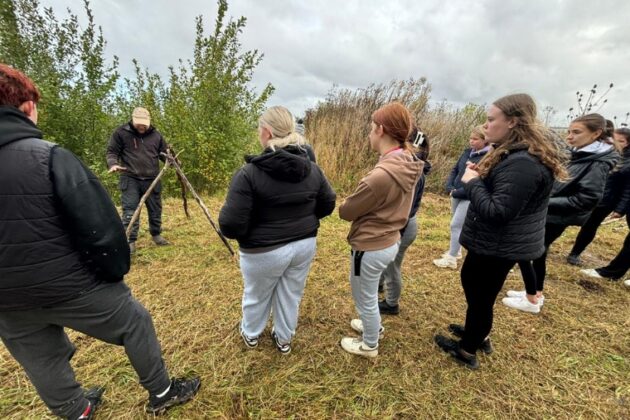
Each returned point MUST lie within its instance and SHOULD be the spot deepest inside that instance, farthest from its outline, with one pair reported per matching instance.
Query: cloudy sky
(469, 50)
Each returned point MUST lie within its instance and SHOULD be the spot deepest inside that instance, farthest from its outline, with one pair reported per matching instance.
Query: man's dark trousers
(132, 189)
(37, 340)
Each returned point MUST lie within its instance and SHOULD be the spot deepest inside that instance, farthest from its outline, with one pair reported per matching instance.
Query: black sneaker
(251, 343)
(451, 347)
(182, 390)
(282, 348)
(159, 240)
(387, 309)
(574, 259)
(458, 331)
(93, 395)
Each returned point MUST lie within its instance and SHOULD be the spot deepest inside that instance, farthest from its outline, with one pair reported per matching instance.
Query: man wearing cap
(134, 150)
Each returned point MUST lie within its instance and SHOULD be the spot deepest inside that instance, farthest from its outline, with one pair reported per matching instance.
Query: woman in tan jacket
(378, 210)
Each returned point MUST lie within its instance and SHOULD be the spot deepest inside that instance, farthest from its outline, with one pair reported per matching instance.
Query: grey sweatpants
(459, 208)
(37, 340)
(365, 271)
(391, 277)
(275, 279)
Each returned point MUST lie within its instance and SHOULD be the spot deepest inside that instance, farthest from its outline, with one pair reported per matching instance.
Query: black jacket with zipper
(60, 234)
(617, 191)
(506, 216)
(572, 202)
(138, 153)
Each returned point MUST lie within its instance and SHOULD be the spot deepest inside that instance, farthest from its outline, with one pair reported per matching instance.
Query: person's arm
(361, 202)
(512, 187)
(114, 150)
(326, 197)
(163, 147)
(623, 205)
(590, 190)
(450, 180)
(235, 215)
(90, 214)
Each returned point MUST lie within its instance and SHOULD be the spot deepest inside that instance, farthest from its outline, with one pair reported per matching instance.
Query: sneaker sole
(174, 402)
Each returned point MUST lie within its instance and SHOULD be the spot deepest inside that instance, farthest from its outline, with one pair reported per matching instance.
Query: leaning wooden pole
(178, 169)
(136, 213)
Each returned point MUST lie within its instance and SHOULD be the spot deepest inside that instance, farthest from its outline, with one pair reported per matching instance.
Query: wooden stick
(608, 221)
(136, 214)
(179, 171)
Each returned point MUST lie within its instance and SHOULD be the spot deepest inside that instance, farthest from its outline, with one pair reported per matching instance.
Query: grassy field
(570, 361)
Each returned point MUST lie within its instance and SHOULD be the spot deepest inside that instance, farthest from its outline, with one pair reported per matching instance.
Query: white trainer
(523, 293)
(459, 255)
(357, 325)
(522, 304)
(356, 346)
(446, 262)
(626, 283)
(591, 272)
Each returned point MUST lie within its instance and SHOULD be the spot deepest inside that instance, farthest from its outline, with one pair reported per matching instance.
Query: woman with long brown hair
(509, 191)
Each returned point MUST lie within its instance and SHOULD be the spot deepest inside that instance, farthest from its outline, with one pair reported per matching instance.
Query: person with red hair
(379, 209)
(63, 256)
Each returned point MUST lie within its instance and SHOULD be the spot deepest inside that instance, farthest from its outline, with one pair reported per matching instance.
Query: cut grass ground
(570, 361)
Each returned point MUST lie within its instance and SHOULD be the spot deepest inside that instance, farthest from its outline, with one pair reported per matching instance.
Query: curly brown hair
(528, 132)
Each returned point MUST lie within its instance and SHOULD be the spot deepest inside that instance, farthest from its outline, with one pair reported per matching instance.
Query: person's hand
(116, 168)
(615, 215)
(470, 174)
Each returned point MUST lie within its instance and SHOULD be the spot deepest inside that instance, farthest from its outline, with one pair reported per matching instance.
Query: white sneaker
(446, 262)
(356, 346)
(627, 283)
(522, 304)
(591, 272)
(523, 293)
(357, 325)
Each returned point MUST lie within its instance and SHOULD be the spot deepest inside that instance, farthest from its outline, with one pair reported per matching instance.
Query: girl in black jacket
(616, 200)
(508, 191)
(571, 201)
(273, 209)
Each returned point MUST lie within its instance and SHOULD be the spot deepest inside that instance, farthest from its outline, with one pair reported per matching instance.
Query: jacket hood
(403, 168)
(608, 155)
(15, 125)
(289, 164)
(129, 127)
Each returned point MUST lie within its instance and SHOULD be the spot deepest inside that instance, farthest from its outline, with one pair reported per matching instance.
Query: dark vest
(39, 265)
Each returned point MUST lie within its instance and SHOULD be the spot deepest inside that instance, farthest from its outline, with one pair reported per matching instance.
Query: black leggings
(529, 276)
(620, 265)
(588, 231)
(482, 280)
(552, 232)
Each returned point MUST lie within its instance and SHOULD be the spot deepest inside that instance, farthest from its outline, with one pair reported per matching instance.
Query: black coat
(617, 191)
(454, 184)
(572, 202)
(60, 234)
(506, 216)
(138, 153)
(276, 198)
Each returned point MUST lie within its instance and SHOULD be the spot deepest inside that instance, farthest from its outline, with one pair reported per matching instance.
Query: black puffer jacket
(506, 217)
(454, 184)
(617, 191)
(572, 202)
(276, 198)
(60, 234)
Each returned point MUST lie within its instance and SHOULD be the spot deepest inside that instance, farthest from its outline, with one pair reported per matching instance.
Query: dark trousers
(132, 190)
(36, 339)
(588, 231)
(552, 232)
(620, 265)
(529, 276)
(482, 280)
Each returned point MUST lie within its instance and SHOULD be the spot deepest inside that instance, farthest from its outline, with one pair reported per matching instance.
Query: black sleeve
(623, 205)
(235, 215)
(325, 198)
(93, 221)
(511, 189)
(590, 190)
(163, 148)
(114, 149)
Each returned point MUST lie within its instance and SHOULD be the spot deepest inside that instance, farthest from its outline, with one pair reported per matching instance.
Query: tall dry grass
(338, 128)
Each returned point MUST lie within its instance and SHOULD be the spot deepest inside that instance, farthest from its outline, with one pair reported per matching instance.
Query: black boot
(458, 331)
(387, 309)
(451, 347)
